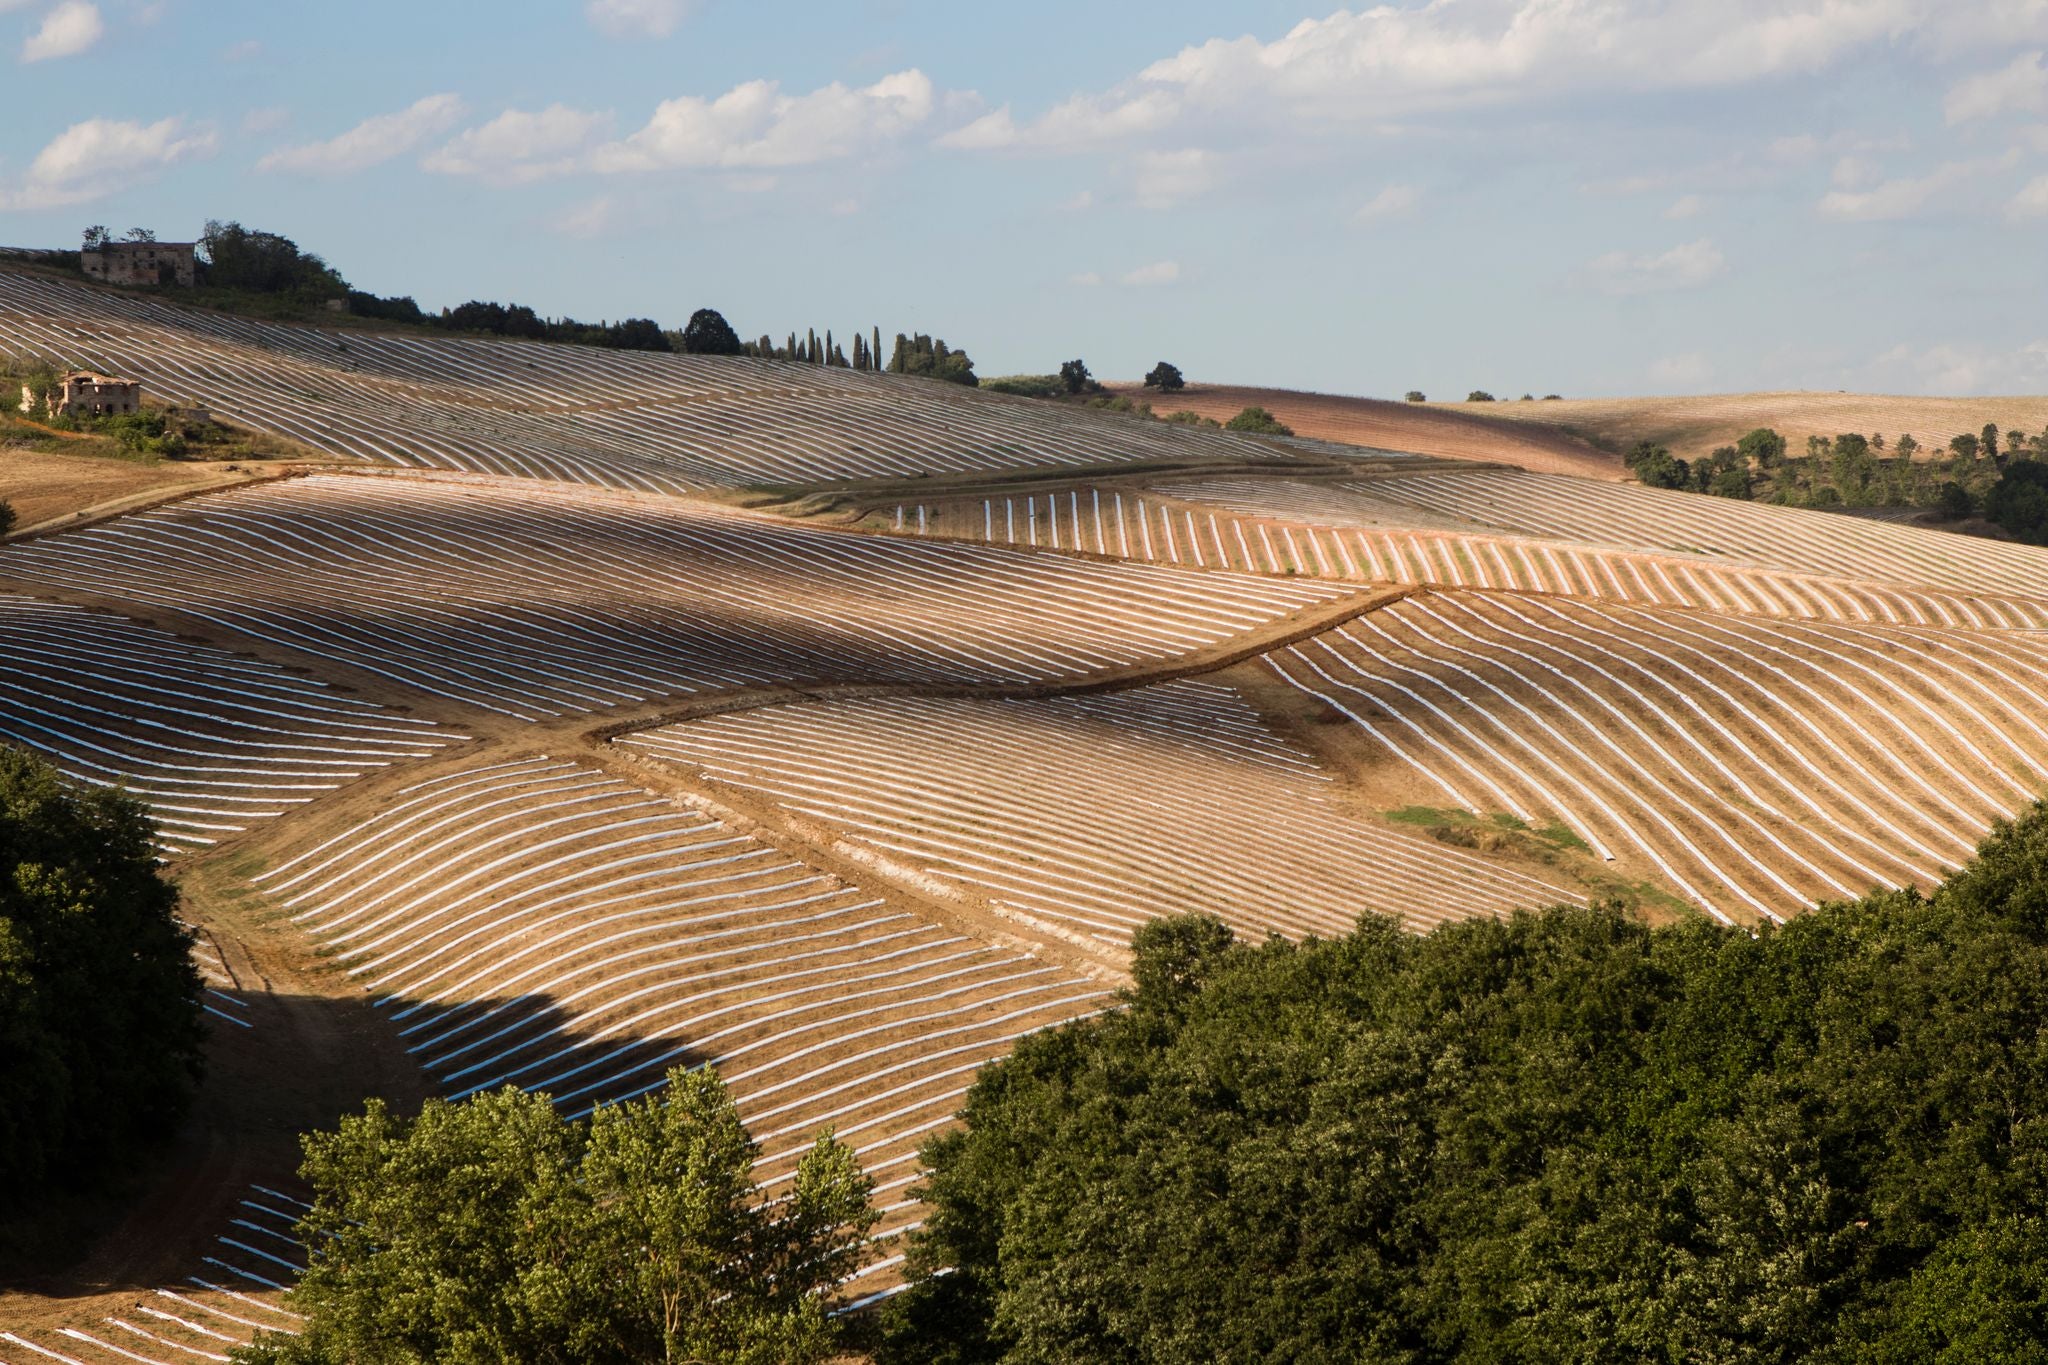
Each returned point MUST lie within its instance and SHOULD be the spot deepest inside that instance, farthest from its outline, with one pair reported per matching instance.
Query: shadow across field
(277, 1066)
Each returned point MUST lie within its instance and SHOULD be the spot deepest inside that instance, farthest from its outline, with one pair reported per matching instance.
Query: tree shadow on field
(279, 1066)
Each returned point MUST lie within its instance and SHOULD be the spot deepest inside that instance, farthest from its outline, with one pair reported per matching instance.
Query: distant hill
(1424, 428)
(1696, 425)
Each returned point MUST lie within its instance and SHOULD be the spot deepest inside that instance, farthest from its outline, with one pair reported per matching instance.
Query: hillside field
(562, 716)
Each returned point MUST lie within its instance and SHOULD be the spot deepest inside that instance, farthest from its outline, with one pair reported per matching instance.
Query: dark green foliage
(1655, 467)
(1764, 446)
(708, 333)
(517, 320)
(497, 1230)
(1479, 396)
(1567, 1137)
(1028, 385)
(1417, 396)
(1954, 501)
(1165, 378)
(398, 308)
(922, 355)
(2019, 501)
(243, 260)
(99, 1003)
(6, 516)
(1074, 374)
(1259, 421)
(1965, 446)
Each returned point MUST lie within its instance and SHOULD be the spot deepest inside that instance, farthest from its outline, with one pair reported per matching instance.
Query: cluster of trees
(244, 260)
(1853, 470)
(497, 1230)
(1480, 396)
(1564, 1137)
(923, 355)
(99, 1003)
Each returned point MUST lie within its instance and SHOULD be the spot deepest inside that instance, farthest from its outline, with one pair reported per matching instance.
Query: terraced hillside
(621, 419)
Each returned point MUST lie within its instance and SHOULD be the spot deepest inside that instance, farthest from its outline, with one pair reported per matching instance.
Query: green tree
(1074, 374)
(1763, 446)
(100, 1025)
(1907, 447)
(1987, 440)
(1416, 396)
(6, 516)
(496, 1230)
(1563, 1137)
(1165, 378)
(1655, 467)
(708, 333)
(1964, 446)
(1479, 396)
(234, 257)
(96, 237)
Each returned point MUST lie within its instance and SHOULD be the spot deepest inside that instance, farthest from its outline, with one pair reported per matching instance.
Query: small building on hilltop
(83, 393)
(141, 263)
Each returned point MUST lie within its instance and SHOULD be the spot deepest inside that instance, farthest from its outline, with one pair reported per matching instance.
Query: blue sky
(1578, 196)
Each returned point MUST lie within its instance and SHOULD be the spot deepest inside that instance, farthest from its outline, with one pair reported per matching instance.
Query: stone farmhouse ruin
(141, 263)
(83, 393)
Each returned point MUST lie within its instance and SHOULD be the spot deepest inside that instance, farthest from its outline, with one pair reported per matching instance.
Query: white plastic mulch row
(1775, 537)
(541, 924)
(1343, 531)
(226, 1304)
(1751, 766)
(1098, 813)
(654, 422)
(536, 607)
(211, 741)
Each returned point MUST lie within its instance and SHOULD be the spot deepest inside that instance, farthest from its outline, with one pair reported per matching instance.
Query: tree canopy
(932, 358)
(99, 1003)
(1566, 1136)
(1260, 422)
(708, 333)
(1165, 378)
(495, 1229)
(239, 258)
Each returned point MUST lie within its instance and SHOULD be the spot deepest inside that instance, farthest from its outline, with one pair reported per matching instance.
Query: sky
(1585, 197)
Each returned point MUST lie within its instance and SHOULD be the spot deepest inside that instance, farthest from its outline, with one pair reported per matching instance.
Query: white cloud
(1688, 371)
(1159, 272)
(1686, 207)
(1687, 266)
(1087, 279)
(516, 147)
(637, 18)
(2021, 87)
(593, 218)
(67, 30)
(1904, 197)
(756, 125)
(1395, 201)
(1388, 64)
(371, 142)
(1960, 368)
(2031, 201)
(1164, 179)
(1083, 121)
(97, 157)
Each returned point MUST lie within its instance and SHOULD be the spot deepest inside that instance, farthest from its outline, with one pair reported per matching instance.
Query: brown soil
(1695, 426)
(46, 488)
(1421, 428)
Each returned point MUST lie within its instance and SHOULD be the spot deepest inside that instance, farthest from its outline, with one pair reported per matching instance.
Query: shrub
(1417, 396)
(6, 516)
(1027, 385)
(1192, 419)
(1258, 420)
(1479, 396)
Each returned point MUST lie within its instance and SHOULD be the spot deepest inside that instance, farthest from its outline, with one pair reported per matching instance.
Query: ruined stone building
(143, 263)
(83, 393)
